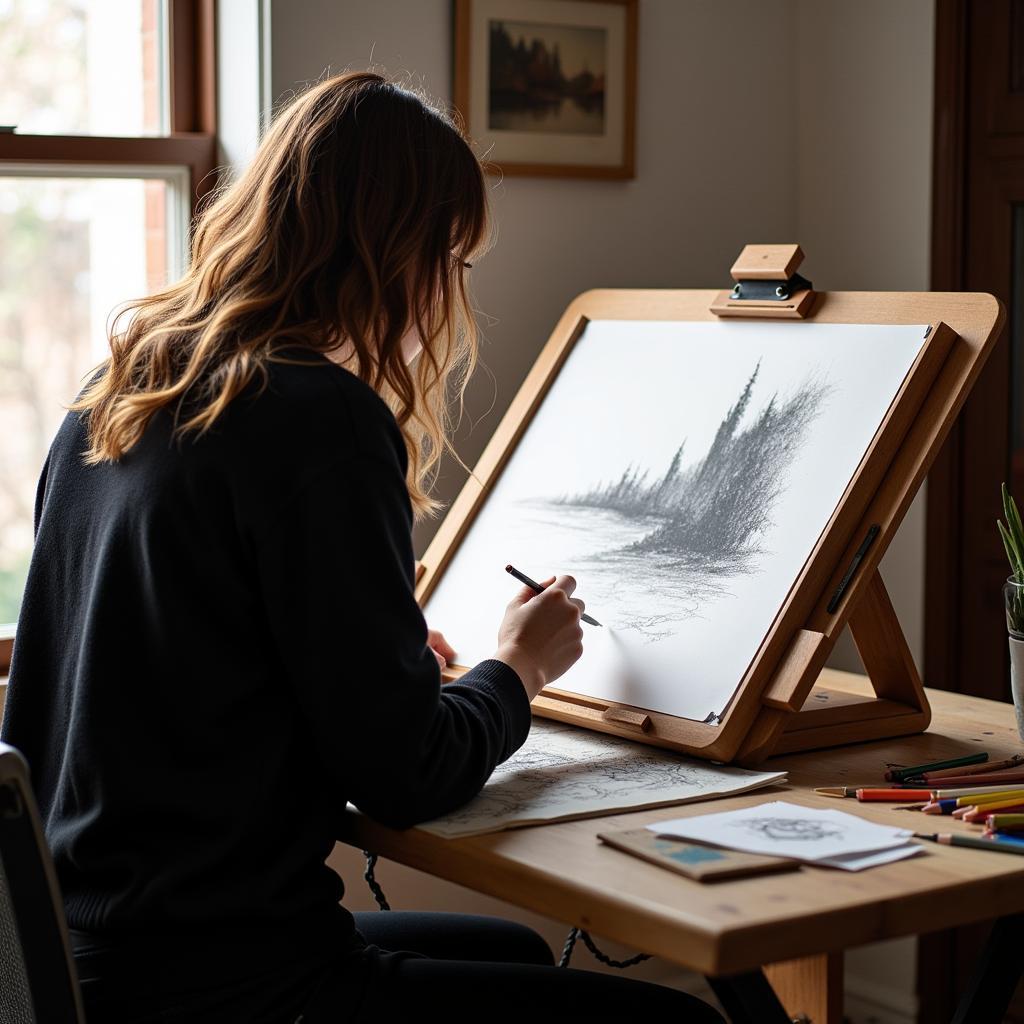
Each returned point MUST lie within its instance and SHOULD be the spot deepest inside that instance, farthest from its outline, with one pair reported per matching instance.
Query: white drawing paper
(860, 861)
(682, 473)
(783, 829)
(563, 772)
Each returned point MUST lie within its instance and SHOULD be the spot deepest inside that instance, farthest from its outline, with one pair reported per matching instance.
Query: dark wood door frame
(978, 168)
(965, 646)
(942, 529)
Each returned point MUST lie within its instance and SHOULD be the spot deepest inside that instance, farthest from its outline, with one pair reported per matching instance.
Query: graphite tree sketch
(705, 521)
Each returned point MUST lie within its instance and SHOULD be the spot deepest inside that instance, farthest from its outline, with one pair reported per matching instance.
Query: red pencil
(896, 796)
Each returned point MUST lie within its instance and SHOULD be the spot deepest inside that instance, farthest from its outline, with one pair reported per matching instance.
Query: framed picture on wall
(548, 87)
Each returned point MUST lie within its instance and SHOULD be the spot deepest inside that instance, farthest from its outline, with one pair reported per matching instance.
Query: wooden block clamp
(767, 284)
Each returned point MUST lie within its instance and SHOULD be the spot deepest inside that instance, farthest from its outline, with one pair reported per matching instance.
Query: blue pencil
(941, 806)
(1002, 838)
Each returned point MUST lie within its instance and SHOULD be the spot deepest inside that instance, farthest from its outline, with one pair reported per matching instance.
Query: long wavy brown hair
(350, 227)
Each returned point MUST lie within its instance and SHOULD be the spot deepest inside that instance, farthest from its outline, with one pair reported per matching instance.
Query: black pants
(476, 967)
(467, 967)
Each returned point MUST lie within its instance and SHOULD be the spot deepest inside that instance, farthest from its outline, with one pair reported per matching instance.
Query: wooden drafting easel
(776, 707)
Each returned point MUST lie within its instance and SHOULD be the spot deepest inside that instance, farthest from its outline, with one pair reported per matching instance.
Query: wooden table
(798, 923)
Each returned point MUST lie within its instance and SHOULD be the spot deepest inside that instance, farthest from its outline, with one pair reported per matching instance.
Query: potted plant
(1012, 533)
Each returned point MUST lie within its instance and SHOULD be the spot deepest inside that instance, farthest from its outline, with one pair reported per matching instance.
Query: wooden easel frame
(767, 714)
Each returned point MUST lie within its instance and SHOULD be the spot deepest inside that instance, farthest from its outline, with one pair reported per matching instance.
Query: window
(106, 145)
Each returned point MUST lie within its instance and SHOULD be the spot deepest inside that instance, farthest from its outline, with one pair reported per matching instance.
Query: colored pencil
(974, 842)
(919, 770)
(1007, 790)
(940, 807)
(1016, 761)
(978, 814)
(1016, 831)
(1012, 807)
(1011, 775)
(998, 821)
(893, 795)
(1000, 838)
(990, 799)
(839, 791)
(538, 588)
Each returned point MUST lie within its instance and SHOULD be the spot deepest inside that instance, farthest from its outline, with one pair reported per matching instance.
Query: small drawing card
(703, 863)
(785, 829)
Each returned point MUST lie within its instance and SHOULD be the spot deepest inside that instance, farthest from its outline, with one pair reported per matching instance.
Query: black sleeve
(337, 572)
(37, 509)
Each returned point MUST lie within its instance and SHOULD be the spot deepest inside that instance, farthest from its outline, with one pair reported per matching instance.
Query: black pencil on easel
(538, 588)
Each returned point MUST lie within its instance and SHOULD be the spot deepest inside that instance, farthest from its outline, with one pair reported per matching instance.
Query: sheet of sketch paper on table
(682, 473)
(563, 771)
(826, 837)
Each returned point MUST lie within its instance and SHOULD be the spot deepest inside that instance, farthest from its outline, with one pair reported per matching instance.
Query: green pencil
(974, 842)
(899, 774)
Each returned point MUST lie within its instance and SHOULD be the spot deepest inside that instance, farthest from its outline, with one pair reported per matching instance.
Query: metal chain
(570, 941)
(378, 892)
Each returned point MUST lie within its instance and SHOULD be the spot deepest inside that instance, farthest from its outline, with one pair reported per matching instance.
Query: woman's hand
(540, 636)
(443, 651)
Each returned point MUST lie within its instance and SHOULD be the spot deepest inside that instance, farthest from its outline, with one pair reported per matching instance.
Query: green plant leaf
(1012, 554)
(1015, 525)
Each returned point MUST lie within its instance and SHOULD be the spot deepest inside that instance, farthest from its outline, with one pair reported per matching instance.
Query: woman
(219, 644)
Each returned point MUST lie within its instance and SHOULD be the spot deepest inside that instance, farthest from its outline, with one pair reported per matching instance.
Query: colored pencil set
(970, 788)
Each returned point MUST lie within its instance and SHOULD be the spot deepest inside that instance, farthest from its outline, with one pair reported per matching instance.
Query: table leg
(996, 974)
(749, 999)
(811, 986)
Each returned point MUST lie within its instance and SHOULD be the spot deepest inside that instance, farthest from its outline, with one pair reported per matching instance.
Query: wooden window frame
(192, 140)
(190, 143)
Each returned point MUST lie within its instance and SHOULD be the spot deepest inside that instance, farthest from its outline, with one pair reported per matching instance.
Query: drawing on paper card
(563, 771)
(788, 829)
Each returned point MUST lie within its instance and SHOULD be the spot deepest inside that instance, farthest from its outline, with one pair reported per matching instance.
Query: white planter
(1017, 680)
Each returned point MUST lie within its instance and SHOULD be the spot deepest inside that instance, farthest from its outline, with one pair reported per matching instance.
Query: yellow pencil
(1010, 796)
(989, 808)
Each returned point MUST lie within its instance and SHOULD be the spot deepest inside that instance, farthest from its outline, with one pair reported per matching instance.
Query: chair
(38, 984)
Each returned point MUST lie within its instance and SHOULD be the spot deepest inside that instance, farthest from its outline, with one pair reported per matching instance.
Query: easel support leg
(883, 648)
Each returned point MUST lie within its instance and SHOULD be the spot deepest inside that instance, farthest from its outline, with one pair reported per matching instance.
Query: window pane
(72, 250)
(84, 67)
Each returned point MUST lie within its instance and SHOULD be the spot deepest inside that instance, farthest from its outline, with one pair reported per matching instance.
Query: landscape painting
(548, 87)
(681, 473)
(546, 78)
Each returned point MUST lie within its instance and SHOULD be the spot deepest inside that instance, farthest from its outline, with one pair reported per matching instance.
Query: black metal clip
(774, 291)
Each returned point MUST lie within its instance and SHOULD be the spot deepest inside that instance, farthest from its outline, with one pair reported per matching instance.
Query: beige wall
(864, 155)
(812, 123)
(864, 147)
(804, 120)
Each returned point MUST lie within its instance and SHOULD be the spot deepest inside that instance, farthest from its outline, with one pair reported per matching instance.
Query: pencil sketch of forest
(689, 529)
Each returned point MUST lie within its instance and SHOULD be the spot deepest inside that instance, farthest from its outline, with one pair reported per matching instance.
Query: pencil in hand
(533, 585)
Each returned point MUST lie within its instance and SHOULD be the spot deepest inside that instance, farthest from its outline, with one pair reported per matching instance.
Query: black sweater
(218, 647)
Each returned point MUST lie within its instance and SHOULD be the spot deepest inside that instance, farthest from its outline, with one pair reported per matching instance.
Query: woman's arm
(336, 570)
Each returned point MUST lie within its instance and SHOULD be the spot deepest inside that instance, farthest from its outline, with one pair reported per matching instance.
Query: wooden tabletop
(563, 871)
